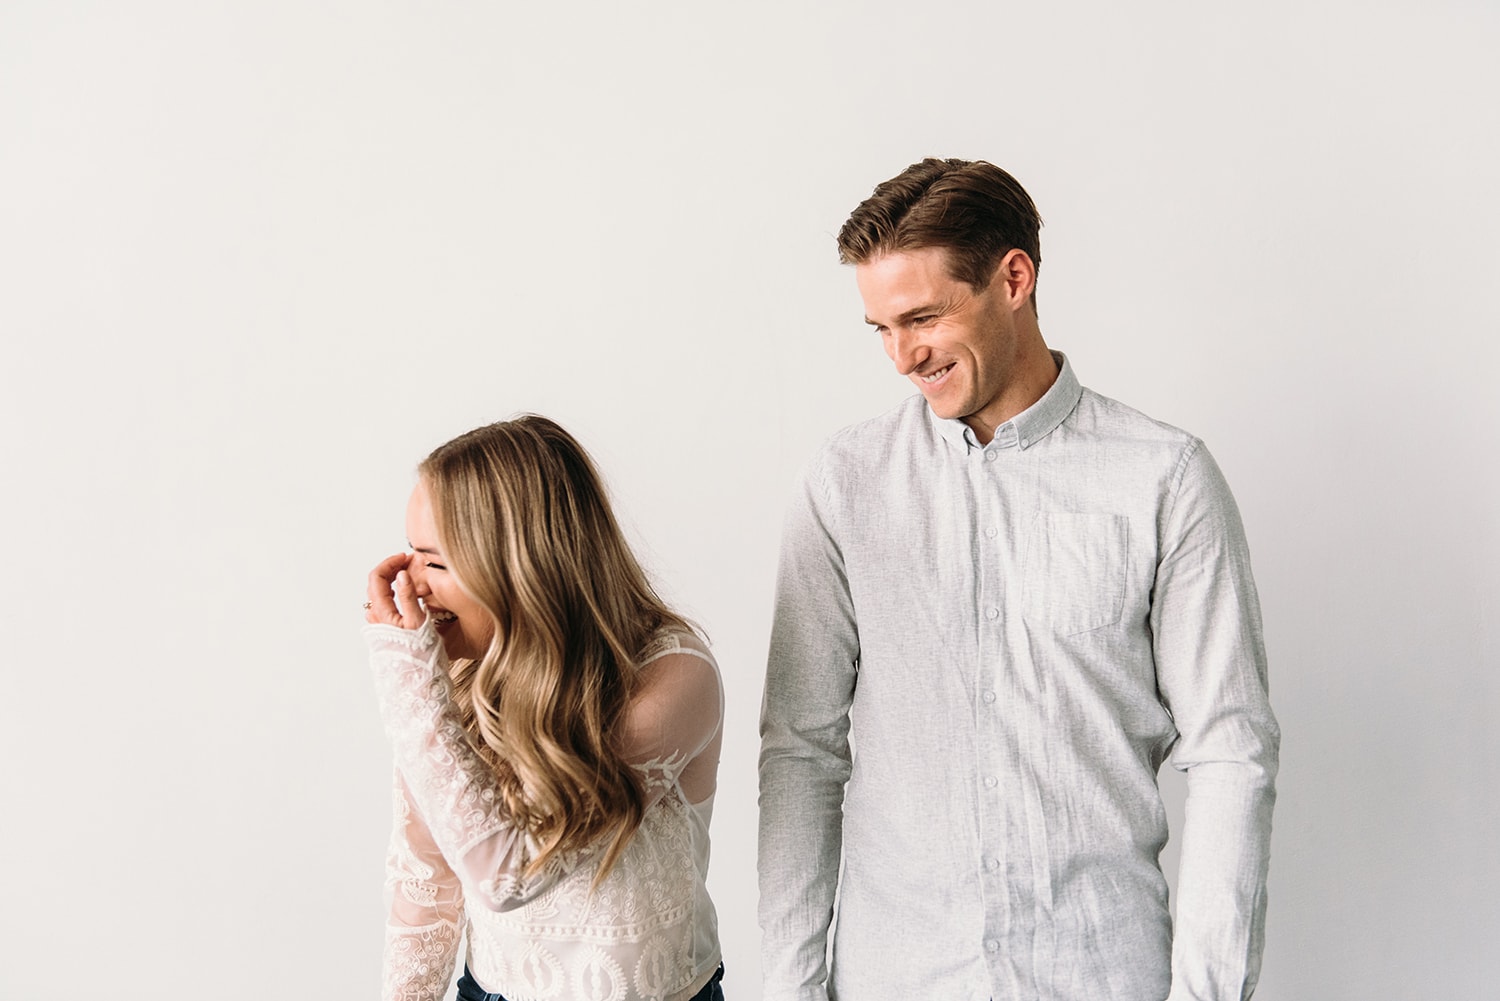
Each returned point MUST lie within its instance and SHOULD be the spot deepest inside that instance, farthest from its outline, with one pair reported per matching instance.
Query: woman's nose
(418, 574)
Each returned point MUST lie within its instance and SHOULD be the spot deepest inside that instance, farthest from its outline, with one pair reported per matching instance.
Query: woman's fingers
(382, 605)
(406, 601)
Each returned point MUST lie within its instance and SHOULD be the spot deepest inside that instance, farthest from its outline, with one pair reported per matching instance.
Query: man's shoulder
(856, 445)
(1100, 415)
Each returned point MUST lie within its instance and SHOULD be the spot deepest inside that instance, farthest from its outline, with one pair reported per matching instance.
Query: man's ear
(1017, 277)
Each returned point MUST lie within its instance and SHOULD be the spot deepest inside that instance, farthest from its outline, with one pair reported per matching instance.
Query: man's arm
(804, 758)
(1211, 670)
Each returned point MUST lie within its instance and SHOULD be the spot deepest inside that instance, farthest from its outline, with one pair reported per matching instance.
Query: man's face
(956, 345)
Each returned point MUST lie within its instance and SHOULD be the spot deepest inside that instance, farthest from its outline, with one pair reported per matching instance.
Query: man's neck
(1035, 372)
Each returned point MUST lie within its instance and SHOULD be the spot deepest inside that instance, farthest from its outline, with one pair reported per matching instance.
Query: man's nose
(906, 350)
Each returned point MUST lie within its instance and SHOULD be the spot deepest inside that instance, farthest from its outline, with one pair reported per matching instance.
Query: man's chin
(947, 413)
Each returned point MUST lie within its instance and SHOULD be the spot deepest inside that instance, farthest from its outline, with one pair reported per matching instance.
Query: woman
(556, 731)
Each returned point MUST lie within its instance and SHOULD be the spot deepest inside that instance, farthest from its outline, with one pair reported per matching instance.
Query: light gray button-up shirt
(1017, 635)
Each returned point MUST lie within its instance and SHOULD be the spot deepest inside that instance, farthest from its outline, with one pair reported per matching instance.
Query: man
(1013, 597)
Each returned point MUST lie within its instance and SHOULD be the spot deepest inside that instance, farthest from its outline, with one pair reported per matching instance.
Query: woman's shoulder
(679, 697)
(671, 640)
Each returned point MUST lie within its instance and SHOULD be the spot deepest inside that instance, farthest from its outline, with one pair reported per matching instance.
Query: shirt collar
(1030, 425)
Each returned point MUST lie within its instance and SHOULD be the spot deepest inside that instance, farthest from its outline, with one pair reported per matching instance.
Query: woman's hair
(526, 526)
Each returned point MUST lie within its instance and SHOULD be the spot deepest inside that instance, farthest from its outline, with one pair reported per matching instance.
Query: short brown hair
(975, 210)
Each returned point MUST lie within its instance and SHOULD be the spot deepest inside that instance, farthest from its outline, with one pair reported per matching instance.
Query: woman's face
(464, 625)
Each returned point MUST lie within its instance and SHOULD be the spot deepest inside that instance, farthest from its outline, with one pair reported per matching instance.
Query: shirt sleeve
(675, 714)
(425, 910)
(805, 755)
(448, 783)
(1211, 671)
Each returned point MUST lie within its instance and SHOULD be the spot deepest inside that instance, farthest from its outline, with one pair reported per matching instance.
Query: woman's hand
(391, 596)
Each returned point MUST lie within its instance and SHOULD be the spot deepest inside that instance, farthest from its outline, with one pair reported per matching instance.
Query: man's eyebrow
(910, 314)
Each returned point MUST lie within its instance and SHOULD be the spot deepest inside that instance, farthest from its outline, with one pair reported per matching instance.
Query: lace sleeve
(423, 921)
(448, 783)
(678, 713)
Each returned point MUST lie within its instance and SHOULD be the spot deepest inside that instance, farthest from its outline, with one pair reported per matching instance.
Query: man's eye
(921, 321)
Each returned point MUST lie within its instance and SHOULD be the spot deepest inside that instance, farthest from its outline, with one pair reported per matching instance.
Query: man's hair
(973, 209)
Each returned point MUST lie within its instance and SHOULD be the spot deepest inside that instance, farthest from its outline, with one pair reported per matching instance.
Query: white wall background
(257, 258)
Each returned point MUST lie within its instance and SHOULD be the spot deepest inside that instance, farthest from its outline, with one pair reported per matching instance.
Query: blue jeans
(468, 990)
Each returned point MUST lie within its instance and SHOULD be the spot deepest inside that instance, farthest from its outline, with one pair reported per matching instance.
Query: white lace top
(648, 932)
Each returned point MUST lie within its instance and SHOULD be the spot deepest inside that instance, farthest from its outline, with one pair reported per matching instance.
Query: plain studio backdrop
(256, 259)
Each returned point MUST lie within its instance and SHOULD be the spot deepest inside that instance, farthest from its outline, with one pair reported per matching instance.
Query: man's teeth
(935, 376)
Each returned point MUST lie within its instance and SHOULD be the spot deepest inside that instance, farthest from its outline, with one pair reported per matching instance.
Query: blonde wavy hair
(527, 529)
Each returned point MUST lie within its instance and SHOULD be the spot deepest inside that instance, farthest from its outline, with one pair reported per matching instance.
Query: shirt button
(990, 945)
(992, 864)
(989, 696)
(1025, 442)
(990, 782)
(991, 532)
(992, 612)
(991, 455)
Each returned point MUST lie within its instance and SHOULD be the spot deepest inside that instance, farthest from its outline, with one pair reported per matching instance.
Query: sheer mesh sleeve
(448, 783)
(676, 715)
(424, 917)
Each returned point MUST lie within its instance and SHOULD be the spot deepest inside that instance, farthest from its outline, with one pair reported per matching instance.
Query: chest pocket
(1074, 576)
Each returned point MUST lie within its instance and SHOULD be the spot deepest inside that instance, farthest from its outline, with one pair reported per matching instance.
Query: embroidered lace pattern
(419, 961)
(422, 933)
(647, 931)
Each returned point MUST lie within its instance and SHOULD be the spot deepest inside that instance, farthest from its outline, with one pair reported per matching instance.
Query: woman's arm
(425, 909)
(450, 785)
(447, 781)
(674, 725)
